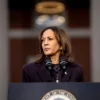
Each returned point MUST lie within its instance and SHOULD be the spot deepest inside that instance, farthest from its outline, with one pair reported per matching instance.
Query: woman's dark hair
(63, 41)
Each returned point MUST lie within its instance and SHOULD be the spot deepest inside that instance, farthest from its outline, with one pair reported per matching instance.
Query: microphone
(63, 64)
(49, 66)
(48, 63)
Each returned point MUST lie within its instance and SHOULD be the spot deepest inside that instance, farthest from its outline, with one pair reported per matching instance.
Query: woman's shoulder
(31, 66)
(75, 65)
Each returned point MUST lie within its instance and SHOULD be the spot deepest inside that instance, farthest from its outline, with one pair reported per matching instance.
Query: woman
(56, 63)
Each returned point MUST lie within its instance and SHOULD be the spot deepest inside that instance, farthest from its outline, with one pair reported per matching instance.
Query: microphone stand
(57, 76)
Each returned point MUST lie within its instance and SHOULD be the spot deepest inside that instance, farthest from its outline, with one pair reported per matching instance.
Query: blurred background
(21, 22)
(26, 20)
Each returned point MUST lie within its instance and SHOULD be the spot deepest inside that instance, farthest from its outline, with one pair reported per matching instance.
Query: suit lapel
(44, 74)
(66, 75)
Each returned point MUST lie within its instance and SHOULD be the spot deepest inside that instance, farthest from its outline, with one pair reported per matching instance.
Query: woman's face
(50, 44)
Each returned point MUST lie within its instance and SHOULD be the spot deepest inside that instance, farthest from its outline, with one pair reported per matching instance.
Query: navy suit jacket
(35, 72)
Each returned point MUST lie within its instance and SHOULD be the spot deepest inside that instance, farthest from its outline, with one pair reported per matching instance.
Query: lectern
(54, 91)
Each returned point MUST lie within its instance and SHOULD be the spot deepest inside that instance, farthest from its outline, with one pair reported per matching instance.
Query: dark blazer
(34, 72)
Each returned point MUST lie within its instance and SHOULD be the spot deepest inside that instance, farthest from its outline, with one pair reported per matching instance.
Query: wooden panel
(16, 59)
(81, 52)
(20, 49)
(31, 48)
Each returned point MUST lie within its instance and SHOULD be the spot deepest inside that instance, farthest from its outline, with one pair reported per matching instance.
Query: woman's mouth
(46, 49)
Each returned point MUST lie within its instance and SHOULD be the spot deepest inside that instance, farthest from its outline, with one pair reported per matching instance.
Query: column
(95, 39)
(3, 50)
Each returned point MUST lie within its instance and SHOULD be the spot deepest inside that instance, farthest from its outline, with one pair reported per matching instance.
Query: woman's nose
(46, 42)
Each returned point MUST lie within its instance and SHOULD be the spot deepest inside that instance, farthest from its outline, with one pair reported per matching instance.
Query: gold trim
(50, 7)
(58, 90)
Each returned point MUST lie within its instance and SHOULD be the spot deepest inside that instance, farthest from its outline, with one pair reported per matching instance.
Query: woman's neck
(55, 59)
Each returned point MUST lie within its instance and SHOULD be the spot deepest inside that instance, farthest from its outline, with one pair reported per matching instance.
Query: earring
(61, 49)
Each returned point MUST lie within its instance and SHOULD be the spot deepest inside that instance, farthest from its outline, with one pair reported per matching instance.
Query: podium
(54, 91)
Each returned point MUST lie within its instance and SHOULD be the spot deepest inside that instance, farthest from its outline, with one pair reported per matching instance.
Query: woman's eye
(50, 39)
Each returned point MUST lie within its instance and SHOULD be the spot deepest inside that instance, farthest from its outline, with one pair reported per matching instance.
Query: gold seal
(58, 94)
